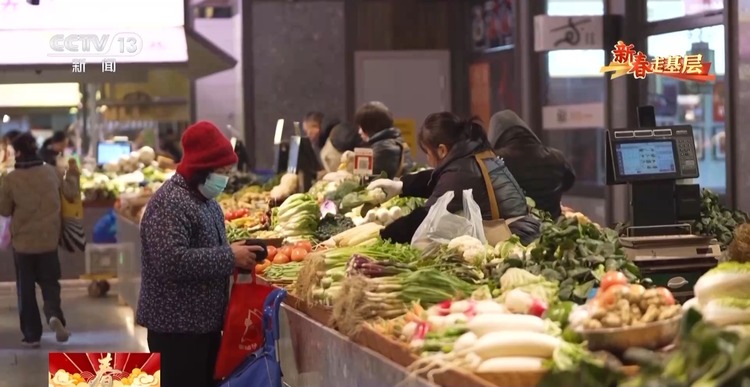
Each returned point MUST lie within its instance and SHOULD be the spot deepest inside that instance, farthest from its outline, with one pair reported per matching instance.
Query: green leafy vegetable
(716, 220)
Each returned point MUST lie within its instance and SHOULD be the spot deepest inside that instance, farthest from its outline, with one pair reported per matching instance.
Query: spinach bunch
(716, 220)
(574, 254)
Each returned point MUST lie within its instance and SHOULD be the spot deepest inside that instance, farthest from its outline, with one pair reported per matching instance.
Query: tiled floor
(97, 325)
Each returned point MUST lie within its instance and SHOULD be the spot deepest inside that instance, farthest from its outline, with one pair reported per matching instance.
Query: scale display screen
(111, 151)
(646, 158)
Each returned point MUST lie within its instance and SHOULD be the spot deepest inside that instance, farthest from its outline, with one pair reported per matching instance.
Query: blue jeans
(42, 269)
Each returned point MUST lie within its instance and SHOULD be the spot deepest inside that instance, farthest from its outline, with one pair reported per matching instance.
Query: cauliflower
(472, 249)
(146, 155)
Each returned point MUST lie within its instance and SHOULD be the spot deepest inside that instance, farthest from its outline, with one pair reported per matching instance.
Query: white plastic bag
(440, 225)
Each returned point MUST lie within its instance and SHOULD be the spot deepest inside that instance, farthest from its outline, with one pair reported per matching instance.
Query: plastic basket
(103, 259)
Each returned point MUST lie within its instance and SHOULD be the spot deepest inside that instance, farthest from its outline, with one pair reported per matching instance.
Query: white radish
(383, 215)
(505, 344)
(467, 340)
(409, 329)
(371, 216)
(455, 318)
(511, 364)
(489, 307)
(395, 212)
(484, 324)
(461, 306)
(437, 322)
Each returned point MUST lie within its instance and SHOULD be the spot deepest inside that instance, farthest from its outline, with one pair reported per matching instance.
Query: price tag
(363, 161)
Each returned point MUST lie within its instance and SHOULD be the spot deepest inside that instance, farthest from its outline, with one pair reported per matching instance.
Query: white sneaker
(30, 344)
(61, 334)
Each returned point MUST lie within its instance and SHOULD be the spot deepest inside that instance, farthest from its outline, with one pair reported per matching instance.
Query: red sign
(626, 60)
(98, 369)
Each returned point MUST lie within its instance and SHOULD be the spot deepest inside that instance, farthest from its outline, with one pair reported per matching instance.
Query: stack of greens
(574, 254)
(297, 217)
(716, 220)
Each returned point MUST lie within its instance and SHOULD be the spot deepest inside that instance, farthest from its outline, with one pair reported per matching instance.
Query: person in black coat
(451, 145)
(389, 152)
(542, 172)
(53, 147)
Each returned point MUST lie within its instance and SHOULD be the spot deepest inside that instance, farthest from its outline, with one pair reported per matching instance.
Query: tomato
(613, 294)
(666, 296)
(286, 250)
(271, 253)
(305, 245)
(298, 254)
(259, 269)
(612, 278)
(281, 258)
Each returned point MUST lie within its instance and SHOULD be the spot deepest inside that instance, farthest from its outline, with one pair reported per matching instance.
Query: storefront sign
(154, 45)
(408, 128)
(113, 14)
(479, 90)
(581, 116)
(568, 33)
(363, 161)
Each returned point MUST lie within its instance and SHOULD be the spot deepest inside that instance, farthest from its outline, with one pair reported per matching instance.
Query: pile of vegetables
(365, 234)
(387, 212)
(326, 271)
(136, 160)
(619, 305)
(355, 199)
(572, 252)
(280, 273)
(241, 224)
(716, 220)
(297, 217)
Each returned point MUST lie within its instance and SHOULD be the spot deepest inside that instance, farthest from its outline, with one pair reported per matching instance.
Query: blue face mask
(214, 185)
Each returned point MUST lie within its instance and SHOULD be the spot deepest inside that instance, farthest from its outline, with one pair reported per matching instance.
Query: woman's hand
(244, 256)
(390, 187)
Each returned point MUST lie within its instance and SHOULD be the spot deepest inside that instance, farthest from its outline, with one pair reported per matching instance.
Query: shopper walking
(542, 172)
(30, 195)
(187, 262)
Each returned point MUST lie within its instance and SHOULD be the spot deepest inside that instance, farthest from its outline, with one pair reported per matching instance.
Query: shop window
(574, 77)
(672, 9)
(701, 105)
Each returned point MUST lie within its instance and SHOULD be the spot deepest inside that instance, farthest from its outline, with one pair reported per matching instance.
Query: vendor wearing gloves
(542, 172)
(451, 145)
(389, 151)
(187, 261)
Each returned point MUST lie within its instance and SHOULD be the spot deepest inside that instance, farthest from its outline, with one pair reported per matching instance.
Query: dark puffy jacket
(389, 152)
(457, 172)
(542, 172)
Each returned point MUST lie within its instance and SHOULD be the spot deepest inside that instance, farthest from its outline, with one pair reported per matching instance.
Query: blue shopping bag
(262, 368)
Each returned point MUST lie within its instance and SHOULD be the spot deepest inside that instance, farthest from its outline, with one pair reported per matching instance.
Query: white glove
(390, 187)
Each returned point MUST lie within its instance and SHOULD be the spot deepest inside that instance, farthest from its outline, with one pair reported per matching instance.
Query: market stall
(450, 309)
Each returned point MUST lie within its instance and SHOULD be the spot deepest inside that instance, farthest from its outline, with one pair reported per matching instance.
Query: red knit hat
(204, 148)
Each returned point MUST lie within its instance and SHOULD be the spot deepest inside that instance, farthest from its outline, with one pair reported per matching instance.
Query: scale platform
(664, 247)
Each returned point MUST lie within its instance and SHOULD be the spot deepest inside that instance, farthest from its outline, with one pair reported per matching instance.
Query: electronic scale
(651, 160)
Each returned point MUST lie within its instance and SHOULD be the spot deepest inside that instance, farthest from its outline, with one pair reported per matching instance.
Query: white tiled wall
(219, 96)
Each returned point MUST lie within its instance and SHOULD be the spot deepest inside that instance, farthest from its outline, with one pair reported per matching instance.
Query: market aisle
(96, 325)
